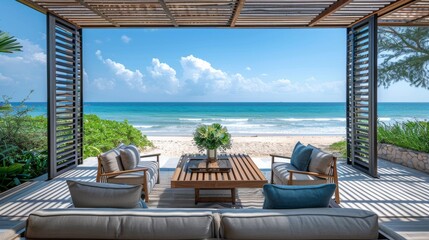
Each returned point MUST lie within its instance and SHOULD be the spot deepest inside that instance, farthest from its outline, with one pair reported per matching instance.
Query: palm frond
(9, 44)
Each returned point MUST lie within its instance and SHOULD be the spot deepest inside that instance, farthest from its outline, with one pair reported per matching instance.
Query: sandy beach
(257, 146)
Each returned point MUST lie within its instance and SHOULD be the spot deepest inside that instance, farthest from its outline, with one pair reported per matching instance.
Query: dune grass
(412, 135)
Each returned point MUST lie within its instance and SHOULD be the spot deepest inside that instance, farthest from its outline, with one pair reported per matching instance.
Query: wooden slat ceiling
(233, 13)
(415, 13)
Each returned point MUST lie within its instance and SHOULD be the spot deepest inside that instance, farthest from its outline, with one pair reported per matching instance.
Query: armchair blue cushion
(301, 157)
(296, 196)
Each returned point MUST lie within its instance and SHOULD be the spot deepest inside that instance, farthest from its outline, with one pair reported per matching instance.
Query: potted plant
(211, 138)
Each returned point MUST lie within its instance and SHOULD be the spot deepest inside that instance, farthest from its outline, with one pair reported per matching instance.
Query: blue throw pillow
(292, 197)
(300, 158)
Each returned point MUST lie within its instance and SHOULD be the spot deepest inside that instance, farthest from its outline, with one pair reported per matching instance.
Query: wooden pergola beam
(99, 13)
(331, 9)
(33, 6)
(168, 12)
(236, 13)
(388, 9)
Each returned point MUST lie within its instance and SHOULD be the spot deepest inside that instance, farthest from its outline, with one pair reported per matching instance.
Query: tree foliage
(9, 44)
(404, 56)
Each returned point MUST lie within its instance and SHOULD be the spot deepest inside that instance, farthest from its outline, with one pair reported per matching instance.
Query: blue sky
(288, 65)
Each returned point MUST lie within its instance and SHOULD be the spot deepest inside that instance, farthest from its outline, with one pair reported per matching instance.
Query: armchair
(145, 174)
(286, 174)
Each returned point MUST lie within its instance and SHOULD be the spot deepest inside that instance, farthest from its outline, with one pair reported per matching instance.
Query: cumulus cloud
(310, 85)
(31, 54)
(200, 77)
(164, 75)
(103, 84)
(125, 39)
(248, 68)
(203, 75)
(250, 84)
(134, 79)
(197, 69)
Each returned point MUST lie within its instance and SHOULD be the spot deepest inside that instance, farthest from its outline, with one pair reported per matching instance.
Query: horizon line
(214, 102)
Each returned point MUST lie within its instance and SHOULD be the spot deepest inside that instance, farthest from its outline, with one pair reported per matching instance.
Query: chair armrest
(309, 173)
(150, 155)
(124, 172)
(273, 156)
(279, 156)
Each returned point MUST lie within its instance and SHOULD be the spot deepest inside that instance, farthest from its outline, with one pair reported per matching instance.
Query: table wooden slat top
(244, 174)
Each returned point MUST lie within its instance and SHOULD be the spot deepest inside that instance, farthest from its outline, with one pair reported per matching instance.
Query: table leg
(197, 195)
(233, 190)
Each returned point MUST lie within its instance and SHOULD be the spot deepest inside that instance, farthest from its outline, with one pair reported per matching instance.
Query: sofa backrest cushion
(111, 160)
(320, 162)
(130, 157)
(301, 157)
(297, 196)
(105, 195)
(112, 223)
(323, 223)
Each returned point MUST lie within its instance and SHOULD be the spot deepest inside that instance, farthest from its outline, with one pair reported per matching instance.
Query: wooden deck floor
(400, 196)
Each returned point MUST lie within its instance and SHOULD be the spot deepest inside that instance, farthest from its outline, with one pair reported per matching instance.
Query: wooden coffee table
(244, 174)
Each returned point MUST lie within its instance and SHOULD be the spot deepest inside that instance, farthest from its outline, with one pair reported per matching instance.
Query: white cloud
(164, 75)
(134, 79)
(249, 84)
(125, 39)
(103, 84)
(248, 68)
(98, 41)
(98, 54)
(5, 80)
(85, 75)
(310, 85)
(197, 69)
(31, 54)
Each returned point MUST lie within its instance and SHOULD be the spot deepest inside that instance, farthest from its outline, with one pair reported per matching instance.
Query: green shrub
(23, 141)
(101, 135)
(412, 135)
(23, 144)
(340, 147)
(20, 129)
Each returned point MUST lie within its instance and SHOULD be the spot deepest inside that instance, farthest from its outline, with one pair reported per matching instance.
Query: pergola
(67, 18)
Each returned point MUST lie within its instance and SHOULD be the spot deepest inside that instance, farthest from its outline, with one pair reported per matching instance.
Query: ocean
(242, 119)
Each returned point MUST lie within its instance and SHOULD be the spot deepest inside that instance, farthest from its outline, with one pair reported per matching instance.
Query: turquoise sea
(174, 119)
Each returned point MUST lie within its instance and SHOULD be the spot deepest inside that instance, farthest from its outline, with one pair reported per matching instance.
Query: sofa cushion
(320, 162)
(130, 157)
(314, 223)
(293, 197)
(136, 178)
(112, 223)
(281, 176)
(111, 160)
(301, 157)
(105, 195)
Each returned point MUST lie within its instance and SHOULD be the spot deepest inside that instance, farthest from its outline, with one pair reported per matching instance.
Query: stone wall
(406, 157)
